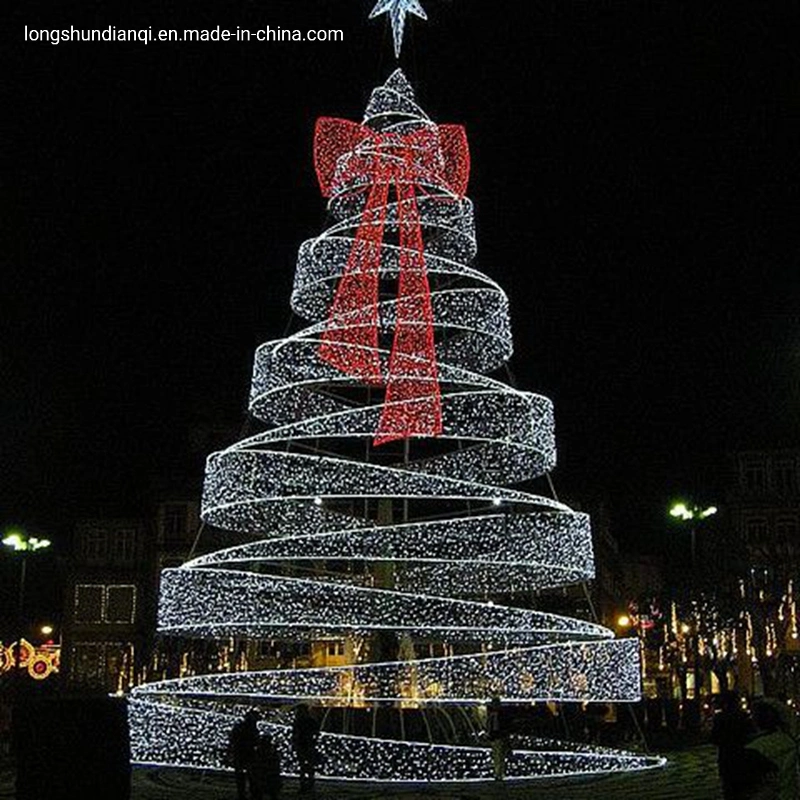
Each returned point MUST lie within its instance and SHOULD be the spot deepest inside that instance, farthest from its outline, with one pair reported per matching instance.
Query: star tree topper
(397, 10)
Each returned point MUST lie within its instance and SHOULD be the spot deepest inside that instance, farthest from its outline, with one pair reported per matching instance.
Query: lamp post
(692, 514)
(19, 542)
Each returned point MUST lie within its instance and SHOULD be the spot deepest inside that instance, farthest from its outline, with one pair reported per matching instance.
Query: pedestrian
(242, 742)
(305, 736)
(265, 770)
(731, 729)
(497, 733)
(769, 762)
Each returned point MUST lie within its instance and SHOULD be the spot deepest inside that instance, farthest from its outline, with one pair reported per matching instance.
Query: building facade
(111, 594)
(764, 510)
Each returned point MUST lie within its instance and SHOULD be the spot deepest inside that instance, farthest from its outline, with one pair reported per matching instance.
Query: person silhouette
(769, 760)
(497, 733)
(242, 742)
(265, 770)
(305, 733)
(731, 730)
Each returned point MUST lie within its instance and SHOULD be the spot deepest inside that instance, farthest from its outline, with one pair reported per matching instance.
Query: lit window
(96, 604)
(335, 648)
(88, 603)
(120, 604)
(87, 665)
(102, 665)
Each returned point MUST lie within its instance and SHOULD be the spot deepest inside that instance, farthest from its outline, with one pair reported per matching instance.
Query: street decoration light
(20, 542)
(40, 661)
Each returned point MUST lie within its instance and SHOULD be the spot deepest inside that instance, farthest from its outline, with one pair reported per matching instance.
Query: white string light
(197, 739)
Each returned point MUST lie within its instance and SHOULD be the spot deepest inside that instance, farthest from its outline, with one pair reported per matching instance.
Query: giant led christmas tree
(377, 509)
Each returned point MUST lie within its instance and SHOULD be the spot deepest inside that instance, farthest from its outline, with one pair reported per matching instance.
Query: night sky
(635, 176)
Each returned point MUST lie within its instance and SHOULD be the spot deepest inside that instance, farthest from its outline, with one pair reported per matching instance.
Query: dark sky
(635, 175)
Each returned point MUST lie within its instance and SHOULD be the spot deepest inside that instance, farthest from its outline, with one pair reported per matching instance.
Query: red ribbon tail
(350, 339)
(413, 404)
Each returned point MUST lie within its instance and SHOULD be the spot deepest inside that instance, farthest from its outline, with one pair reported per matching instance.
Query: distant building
(608, 594)
(111, 593)
(642, 576)
(763, 506)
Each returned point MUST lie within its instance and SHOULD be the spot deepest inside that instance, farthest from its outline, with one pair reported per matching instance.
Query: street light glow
(19, 542)
(15, 540)
(680, 510)
(683, 512)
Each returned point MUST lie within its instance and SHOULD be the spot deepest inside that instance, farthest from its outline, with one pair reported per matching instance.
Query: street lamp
(693, 514)
(21, 543)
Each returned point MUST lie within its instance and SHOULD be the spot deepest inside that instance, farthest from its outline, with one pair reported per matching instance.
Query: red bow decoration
(353, 158)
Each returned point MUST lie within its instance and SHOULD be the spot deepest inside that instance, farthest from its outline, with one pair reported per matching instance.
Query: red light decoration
(26, 652)
(40, 662)
(349, 159)
(40, 667)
